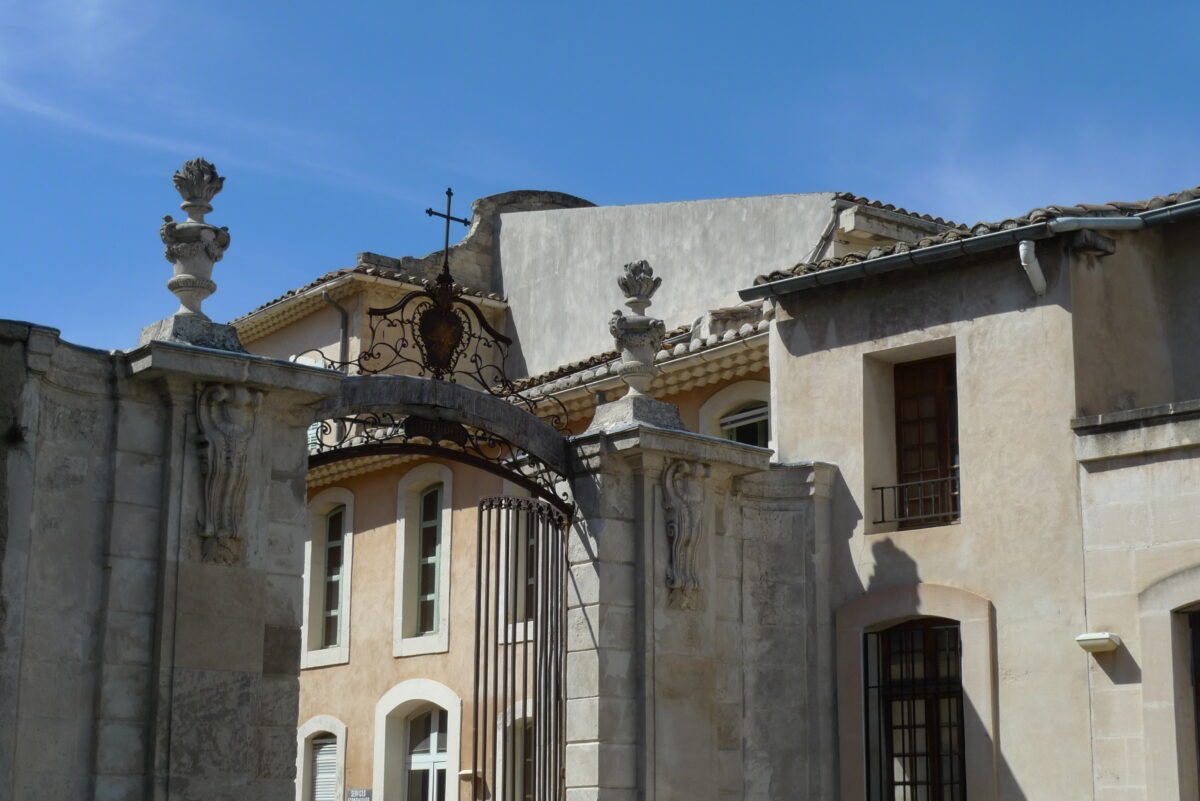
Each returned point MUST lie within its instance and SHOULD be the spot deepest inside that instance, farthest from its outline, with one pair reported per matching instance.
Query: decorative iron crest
(381, 433)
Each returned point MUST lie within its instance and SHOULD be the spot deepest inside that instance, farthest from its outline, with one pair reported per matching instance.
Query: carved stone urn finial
(193, 245)
(638, 337)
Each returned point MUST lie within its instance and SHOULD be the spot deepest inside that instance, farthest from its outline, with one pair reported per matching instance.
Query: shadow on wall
(988, 774)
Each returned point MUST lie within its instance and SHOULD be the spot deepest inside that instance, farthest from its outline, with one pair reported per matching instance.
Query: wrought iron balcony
(931, 502)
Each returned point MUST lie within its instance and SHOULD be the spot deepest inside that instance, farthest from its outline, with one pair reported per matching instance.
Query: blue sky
(337, 124)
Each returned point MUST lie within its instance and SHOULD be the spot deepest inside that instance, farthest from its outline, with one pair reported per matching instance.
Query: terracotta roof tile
(367, 270)
(1041, 214)
(875, 204)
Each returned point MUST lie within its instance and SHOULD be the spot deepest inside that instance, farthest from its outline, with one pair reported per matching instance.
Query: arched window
(916, 669)
(327, 567)
(914, 703)
(417, 734)
(740, 412)
(423, 548)
(426, 761)
(747, 424)
(321, 759)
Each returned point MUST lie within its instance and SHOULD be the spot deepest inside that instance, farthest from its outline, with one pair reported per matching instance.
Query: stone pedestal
(191, 329)
(694, 620)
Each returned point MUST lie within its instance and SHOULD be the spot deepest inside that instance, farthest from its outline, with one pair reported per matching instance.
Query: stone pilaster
(664, 623)
(214, 496)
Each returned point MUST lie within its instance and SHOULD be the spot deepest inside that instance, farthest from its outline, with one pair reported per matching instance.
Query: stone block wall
(151, 535)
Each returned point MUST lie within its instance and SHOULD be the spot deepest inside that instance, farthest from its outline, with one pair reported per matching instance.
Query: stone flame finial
(193, 246)
(639, 284)
(197, 182)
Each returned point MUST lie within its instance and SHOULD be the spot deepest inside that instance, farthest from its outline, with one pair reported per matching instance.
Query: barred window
(914, 706)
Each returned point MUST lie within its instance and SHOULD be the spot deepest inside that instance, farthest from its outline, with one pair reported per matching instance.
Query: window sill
(436, 643)
(324, 657)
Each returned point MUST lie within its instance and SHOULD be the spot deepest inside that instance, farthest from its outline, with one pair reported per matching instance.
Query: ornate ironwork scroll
(381, 433)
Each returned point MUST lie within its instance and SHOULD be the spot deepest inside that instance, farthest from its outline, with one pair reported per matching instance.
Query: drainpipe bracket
(1092, 243)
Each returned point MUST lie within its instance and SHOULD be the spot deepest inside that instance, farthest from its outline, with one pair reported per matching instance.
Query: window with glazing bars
(914, 712)
(429, 542)
(926, 442)
(427, 760)
(747, 424)
(334, 549)
(1194, 630)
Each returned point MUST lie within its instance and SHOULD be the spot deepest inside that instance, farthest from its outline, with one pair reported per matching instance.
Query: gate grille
(520, 644)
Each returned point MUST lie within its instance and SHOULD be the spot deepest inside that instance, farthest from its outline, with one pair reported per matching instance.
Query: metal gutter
(966, 247)
(898, 261)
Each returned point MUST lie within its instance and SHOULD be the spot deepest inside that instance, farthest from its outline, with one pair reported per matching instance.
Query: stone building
(864, 504)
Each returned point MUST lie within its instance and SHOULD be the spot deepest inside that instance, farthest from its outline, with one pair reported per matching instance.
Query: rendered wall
(557, 266)
(1018, 541)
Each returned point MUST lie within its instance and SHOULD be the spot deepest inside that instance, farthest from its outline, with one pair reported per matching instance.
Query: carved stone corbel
(683, 501)
(226, 414)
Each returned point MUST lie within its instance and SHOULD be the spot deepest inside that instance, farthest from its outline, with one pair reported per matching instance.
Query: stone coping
(1135, 418)
(208, 364)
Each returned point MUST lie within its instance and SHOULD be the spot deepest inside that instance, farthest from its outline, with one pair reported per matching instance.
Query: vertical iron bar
(510, 661)
(479, 596)
(494, 644)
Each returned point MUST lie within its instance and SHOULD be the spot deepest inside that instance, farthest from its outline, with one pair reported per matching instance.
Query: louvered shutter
(324, 770)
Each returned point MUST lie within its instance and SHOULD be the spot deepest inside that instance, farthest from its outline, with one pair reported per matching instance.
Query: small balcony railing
(930, 502)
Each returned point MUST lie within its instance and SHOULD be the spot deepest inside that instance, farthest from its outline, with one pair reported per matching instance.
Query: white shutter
(324, 770)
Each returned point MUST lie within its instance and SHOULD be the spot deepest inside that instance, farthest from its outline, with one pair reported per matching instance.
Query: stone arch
(1169, 727)
(304, 736)
(391, 713)
(402, 396)
(977, 628)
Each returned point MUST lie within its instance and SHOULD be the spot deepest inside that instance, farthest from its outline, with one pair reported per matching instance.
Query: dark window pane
(418, 785)
(333, 524)
(428, 578)
(418, 734)
(431, 504)
(429, 542)
(331, 632)
(333, 595)
(333, 561)
(441, 785)
(441, 741)
(425, 623)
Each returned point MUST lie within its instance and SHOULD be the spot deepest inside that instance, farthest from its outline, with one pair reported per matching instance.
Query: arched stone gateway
(153, 518)
(378, 414)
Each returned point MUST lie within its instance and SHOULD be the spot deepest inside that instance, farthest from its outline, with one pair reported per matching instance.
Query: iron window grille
(914, 712)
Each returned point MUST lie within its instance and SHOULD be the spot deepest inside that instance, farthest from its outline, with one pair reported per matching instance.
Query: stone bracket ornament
(637, 336)
(226, 415)
(683, 501)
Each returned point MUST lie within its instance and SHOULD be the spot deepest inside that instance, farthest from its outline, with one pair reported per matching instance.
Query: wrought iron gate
(520, 647)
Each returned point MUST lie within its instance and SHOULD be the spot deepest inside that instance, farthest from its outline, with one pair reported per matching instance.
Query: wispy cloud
(61, 46)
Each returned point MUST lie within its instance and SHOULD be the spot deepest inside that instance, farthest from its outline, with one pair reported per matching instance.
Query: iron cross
(448, 219)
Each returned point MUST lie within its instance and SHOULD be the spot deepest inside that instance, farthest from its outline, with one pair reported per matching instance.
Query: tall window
(747, 424)
(426, 764)
(323, 768)
(926, 443)
(332, 586)
(914, 705)
(429, 556)
(1194, 631)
